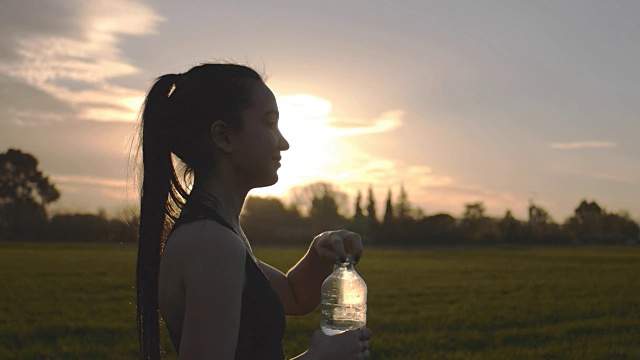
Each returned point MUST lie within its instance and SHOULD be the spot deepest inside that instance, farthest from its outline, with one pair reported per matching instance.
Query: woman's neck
(229, 197)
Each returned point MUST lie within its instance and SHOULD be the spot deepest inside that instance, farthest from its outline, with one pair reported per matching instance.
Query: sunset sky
(503, 102)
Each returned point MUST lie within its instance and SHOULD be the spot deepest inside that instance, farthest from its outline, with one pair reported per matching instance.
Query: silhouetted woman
(214, 129)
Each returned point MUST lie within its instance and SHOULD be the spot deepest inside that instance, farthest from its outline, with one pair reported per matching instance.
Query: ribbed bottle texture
(344, 300)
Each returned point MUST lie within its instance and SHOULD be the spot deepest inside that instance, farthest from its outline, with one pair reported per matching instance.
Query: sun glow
(304, 122)
(320, 149)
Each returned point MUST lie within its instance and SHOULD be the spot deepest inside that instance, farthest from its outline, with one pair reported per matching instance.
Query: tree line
(321, 207)
(25, 192)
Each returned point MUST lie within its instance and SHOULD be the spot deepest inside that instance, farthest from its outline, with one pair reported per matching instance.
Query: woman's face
(258, 144)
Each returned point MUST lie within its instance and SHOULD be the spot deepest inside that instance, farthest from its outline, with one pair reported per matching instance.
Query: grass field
(67, 301)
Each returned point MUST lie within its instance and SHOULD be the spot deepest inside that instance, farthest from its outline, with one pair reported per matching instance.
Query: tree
(388, 211)
(541, 226)
(539, 222)
(592, 224)
(371, 209)
(473, 211)
(404, 222)
(436, 229)
(403, 207)
(589, 219)
(324, 213)
(267, 220)
(510, 228)
(476, 226)
(90, 228)
(359, 222)
(622, 227)
(538, 216)
(303, 196)
(323, 204)
(24, 193)
(387, 231)
(372, 218)
(358, 209)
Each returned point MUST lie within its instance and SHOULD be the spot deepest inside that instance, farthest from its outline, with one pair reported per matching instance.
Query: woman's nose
(283, 144)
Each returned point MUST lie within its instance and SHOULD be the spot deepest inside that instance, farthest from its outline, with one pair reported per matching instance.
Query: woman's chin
(267, 182)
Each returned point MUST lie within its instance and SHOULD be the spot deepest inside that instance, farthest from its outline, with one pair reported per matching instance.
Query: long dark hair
(177, 114)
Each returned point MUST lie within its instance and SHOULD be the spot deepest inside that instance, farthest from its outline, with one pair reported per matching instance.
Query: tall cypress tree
(371, 208)
(358, 209)
(359, 222)
(403, 207)
(387, 230)
(388, 212)
(371, 221)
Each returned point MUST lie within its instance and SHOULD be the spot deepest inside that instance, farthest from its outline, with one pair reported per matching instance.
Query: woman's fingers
(364, 333)
(366, 354)
(339, 245)
(353, 245)
(364, 344)
(347, 244)
(337, 242)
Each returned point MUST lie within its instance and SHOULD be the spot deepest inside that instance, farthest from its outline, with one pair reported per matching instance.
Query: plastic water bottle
(344, 300)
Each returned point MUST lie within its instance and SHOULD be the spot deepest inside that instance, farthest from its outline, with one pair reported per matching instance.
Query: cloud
(58, 64)
(113, 194)
(70, 50)
(323, 151)
(83, 180)
(387, 121)
(615, 178)
(21, 103)
(583, 145)
(25, 19)
(432, 191)
(313, 109)
(73, 147)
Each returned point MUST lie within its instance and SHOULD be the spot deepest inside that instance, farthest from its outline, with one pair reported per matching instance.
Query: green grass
(67, 301)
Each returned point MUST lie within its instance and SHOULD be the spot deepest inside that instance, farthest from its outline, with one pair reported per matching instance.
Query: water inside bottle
(344, 301)
(338, 319)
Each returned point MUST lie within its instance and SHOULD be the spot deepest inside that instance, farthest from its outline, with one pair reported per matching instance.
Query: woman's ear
(221, 135)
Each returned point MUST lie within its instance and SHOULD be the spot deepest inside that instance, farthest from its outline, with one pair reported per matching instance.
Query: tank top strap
(196, 211)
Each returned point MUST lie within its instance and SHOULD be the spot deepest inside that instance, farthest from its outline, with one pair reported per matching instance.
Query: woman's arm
(299, 289)
(213, 282)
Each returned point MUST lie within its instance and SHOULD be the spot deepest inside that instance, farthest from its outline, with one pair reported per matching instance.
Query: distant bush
(90, 228)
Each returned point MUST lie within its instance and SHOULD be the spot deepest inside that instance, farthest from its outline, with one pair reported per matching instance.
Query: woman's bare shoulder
(206, 242)
(203, 263)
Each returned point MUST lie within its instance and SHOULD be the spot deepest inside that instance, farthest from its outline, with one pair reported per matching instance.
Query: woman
(216, 299)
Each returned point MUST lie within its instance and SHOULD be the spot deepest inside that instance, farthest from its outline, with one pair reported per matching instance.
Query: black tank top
(262, 318)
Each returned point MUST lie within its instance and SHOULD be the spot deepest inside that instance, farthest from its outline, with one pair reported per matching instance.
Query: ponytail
(157, 182)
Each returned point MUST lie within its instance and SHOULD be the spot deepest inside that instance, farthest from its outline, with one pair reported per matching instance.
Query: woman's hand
(349, 345)
(299, 289)
(338, 245)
